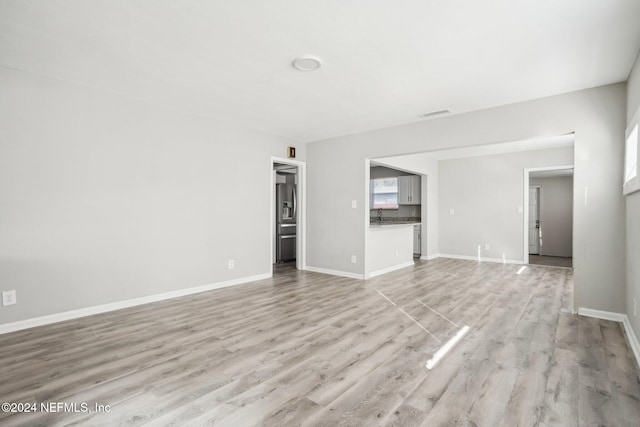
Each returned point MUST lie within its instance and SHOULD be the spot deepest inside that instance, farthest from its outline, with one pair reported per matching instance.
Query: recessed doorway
(548, 224)
(287, 215)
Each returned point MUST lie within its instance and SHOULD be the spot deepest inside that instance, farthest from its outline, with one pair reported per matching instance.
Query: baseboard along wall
(616, 317)
(392, 268)
(481, 259)
(335, 272)
(89, 311)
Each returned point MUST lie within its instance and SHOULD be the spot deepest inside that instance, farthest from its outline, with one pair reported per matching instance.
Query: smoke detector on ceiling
(307, 63)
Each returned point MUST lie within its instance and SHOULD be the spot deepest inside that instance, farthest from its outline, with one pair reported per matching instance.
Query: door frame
(301, 221)
(525, 213)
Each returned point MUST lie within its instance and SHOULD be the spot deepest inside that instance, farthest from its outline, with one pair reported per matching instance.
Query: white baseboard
(475, 258)
(335, 272)
(392, 268)
(599, 314)
(633, 339)
(430, 257)
(89, 311)
(616, 317)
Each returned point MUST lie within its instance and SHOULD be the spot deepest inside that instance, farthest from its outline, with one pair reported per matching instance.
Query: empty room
(288, 213)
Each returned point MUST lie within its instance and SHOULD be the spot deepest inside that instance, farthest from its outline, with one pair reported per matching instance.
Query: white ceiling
(384, 62)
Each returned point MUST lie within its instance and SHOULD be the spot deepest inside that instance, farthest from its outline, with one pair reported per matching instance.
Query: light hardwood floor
(551, 261)
(310, 349)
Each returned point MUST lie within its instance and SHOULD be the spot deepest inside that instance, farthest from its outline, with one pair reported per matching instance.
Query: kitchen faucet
(380, 219)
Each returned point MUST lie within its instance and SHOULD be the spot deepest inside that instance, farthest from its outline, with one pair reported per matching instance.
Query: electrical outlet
(397, 252)
(232, 264)
(353, 259)
(9, 298)
(520, 209)
(354, 204)
(486, 246)
(452, 212)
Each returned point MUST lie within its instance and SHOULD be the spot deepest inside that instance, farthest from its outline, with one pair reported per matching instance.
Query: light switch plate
(9, 298)
(520, 209)
(354, 204)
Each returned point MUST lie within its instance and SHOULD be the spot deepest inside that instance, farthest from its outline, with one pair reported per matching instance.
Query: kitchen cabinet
(409, 190)
(417, 240)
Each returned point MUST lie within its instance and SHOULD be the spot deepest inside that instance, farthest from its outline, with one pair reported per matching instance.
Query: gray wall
(336, 172)
(633, 214)
(556, 215)
(105, 198)
(485, 193)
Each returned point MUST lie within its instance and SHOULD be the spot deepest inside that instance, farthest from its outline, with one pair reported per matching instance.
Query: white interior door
(534, 220)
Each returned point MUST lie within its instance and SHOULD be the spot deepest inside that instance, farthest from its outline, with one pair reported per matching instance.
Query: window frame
(373, 193)
(633, 184)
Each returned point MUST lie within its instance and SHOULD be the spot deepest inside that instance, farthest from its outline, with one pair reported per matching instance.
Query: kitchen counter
(391, 223)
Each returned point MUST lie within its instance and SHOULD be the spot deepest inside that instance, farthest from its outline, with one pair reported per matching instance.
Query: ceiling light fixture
(307, 63)
(433, 114)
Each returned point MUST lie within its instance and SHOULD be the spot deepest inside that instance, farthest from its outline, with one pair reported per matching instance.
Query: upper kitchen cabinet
(409, 190)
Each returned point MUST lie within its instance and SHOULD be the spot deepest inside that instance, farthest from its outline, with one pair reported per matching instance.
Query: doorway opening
(287, 247)
(548, 216)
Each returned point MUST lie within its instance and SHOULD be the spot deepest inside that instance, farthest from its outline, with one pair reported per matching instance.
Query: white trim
(430, 257)
(90, 311)
(392, 268)
(335, 272)
(272, 225)
(465, 257)
(366, 211)
(632, 338)
(475, 258)
(599, 314)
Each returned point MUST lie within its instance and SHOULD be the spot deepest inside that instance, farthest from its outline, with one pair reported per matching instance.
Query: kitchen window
(384, 193)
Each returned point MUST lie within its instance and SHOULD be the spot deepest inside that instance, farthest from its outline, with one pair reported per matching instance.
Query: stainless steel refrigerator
(286, 224)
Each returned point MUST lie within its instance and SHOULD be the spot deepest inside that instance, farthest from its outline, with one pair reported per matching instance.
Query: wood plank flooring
(311, 349)
(551, 261)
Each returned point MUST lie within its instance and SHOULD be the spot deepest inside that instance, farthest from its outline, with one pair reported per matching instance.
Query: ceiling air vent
(433, 114)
